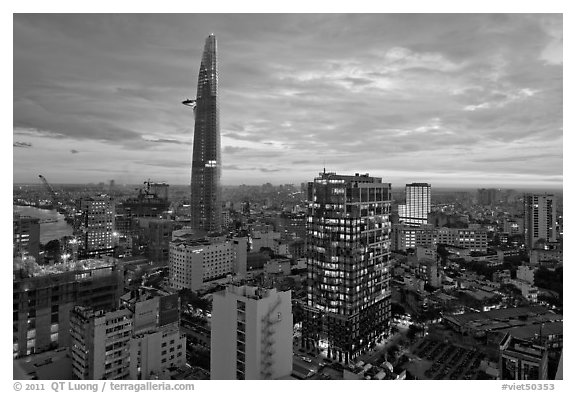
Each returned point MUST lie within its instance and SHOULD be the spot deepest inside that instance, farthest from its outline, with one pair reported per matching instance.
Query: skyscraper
(348, 234)
(415, 211)
(539, 218)
(206, 209)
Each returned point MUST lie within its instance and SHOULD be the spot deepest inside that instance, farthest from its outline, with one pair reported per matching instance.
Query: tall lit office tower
(206, 209)
(348, 237)
(252, 330)
(415, 211)
(97, 226)
(539, 218)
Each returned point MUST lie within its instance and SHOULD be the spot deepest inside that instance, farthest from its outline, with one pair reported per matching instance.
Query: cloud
(234, 149)
(22, 144)
(240, 168)
(163, 140)
(381, 92)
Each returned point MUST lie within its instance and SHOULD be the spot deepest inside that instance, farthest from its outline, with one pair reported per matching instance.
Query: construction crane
(50, 189)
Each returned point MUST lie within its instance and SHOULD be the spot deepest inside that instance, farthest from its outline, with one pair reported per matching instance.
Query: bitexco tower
(206, 208)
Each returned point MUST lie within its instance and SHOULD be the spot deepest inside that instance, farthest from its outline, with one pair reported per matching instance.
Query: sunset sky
(454, 100)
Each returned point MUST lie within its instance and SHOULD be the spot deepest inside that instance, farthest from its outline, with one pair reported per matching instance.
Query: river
(50, 230)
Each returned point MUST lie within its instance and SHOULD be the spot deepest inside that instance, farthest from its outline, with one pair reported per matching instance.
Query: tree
(397, 309)
(52, 250)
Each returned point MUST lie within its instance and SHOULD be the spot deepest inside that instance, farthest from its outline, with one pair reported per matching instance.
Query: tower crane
(50, 189)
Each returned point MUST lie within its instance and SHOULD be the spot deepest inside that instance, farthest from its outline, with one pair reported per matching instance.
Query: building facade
(252, 331)
(141, 340)
(193, 262)
(96, 226)
(100, 343)
(206, 194)
(539, 218)
(468, 238)
(405, 236)
(26, 236)
(522, 360)
(43, 299)
(348, 258)
(418, 204)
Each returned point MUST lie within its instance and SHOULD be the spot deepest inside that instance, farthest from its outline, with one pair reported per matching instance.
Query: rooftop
(31, 269)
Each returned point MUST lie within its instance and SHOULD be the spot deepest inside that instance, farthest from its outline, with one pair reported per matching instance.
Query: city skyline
(468, 100)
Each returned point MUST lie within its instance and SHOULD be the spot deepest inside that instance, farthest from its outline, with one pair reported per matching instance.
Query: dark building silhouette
(487, 196)
(26, 236)
(522, 359)
(348, 241)
(539, 220)
(44, 297)
(206, 194)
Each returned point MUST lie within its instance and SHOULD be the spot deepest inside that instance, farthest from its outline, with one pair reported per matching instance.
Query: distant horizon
(441, 187)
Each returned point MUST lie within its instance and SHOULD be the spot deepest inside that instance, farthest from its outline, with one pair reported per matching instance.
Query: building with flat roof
(26, 236)
(252, 330)
(522, 360)
(45, 295)
(418, 205)
(504, 319)
(539, 219)
(96, 226)
(348, 240)
(100, 343)
(405, 236)
(141, 340)
(469, 238)
(194, 262)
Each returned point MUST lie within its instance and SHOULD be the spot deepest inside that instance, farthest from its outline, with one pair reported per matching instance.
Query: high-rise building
(252, 330)
(348, 242)
(539, 218)
(487, 196)
(100, 343)
(26, 236)
(96, 226)
(415, 211)
(45, 295)
(206, 198)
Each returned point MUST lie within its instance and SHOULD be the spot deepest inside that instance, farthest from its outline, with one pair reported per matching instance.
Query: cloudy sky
(454, 100)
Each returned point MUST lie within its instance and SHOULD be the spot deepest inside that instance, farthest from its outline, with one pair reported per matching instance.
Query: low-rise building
(194, 262)
(521, 360)
(141, 340)
(469, 238)
(526, 273)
